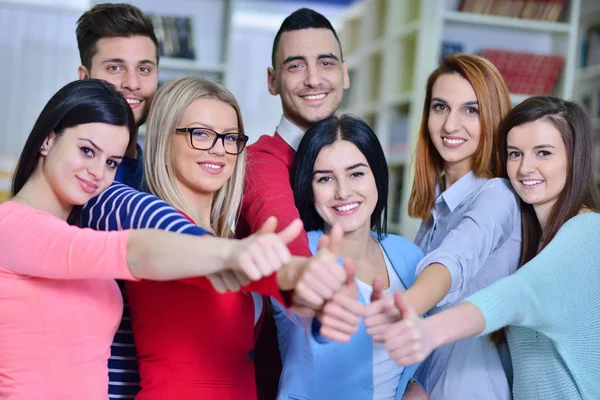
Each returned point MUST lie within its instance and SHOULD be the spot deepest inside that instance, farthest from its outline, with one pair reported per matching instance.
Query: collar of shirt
(290, 133)
(460, 190)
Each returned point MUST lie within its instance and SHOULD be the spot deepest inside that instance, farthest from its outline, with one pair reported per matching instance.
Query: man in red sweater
(310, 75)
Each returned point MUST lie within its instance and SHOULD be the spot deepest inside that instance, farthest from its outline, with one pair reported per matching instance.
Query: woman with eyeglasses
(193, 342)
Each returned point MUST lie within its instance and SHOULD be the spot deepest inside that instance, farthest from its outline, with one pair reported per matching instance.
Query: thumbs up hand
(408, 341)
(341, 315)
(381, 313)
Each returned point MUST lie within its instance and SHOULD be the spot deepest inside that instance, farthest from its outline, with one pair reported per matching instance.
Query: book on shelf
(450, 48)
(590, 51)
(544, 10)
(526, 73)
(175, 36)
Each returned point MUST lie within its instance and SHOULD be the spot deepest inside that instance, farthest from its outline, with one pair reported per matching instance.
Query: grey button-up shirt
(475, 231)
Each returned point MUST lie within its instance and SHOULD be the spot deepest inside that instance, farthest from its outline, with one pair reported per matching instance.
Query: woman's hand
(257, 256)
(341, 315)
(381, 312)
(409, 340)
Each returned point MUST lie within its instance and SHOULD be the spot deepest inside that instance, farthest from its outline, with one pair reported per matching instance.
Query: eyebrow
(202, 125)
(122, 61)
(94, 145)
(539, 146)
(467, 103)
(303, 58)
(347, 169)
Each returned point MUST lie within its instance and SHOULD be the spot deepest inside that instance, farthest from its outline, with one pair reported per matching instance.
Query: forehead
(535, 133)
(308, 43)
(131, 49)
(112, 139)
(453, 88)
(210, 112)
(340, 155)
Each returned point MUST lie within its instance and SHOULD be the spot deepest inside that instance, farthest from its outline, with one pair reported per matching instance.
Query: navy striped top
(121, 207)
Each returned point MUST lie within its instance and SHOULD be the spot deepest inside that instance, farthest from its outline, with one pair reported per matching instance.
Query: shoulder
(496, 197)
(400, 245)
(586, 225)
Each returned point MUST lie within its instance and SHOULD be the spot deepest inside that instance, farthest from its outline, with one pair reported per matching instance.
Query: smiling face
(344, 187)
(309, 75)
(537, 164)
(453, 122)
(203, 172)
(81, 162)
(130, 64)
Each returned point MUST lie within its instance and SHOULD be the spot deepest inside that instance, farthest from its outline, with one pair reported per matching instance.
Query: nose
(313, 76)
(342, 189)
(219, 148)
(452, 123)
(131, 81)
(97, 168)
(527, 165)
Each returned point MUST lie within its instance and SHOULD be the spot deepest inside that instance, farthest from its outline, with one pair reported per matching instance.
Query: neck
(455, 171)
(542, 211)
(39, 194)
(201, 205)
(358, 244)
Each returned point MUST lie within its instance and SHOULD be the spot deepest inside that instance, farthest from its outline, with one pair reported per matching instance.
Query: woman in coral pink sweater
(60, 306)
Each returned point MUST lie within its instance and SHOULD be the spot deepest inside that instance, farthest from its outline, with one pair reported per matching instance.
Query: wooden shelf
(507, 22)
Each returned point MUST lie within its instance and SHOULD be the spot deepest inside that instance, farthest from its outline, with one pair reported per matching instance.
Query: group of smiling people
(495, 299)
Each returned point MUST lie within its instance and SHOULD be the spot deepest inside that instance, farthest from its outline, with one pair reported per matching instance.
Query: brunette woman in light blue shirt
(471, 230)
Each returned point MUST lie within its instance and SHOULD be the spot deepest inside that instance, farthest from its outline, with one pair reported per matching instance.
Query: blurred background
(539, 46)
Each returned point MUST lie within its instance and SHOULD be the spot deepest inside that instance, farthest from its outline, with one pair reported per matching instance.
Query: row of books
(545, 10)
(175, 36)
(527, 73)
(590, 51)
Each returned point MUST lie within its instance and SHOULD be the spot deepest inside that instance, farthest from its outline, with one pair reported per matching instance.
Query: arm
(38, 244)
(268, 192)
(444, 273)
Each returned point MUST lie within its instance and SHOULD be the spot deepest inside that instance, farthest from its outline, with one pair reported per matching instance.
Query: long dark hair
(325, 133)
(77, 103)
(580, 189)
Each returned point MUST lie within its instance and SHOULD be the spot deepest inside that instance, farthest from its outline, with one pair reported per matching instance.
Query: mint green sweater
(552, 308)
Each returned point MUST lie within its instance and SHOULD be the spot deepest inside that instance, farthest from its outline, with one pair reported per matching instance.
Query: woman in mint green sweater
(551, 305)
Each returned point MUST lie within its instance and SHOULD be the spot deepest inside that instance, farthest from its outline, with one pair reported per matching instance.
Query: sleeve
(549, 292)
(310, 325)
(121, 207)
(38, 244)
(269, 193)
(131, 170)
(487, 224)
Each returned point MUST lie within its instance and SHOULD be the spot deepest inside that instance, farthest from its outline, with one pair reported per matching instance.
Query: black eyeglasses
(205, 139)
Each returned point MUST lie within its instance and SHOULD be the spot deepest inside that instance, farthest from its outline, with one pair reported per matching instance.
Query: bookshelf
(587, 89)
(392, 46)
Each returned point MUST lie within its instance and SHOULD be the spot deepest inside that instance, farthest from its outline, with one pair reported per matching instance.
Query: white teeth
(453, 141)
(315, 97)
(532, 182)
(347, 207)
(213, 166)
(133, 101)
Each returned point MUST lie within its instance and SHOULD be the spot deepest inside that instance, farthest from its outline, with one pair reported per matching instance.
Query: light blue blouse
(475, 231)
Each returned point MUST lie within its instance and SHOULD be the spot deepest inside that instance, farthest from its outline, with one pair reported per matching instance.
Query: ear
(272, 81)
(83, 72)
(346, 76)
(48, 143)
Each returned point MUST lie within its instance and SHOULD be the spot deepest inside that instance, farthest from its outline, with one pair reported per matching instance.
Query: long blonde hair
(169, 104)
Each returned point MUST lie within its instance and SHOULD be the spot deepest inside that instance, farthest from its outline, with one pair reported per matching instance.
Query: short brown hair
(108, 21)
(494, 103)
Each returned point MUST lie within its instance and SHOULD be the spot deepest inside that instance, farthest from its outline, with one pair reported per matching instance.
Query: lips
(347, 208)
(87, 186)
(528, 183)
(452, 141)
(134, 102)
(212, 167)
